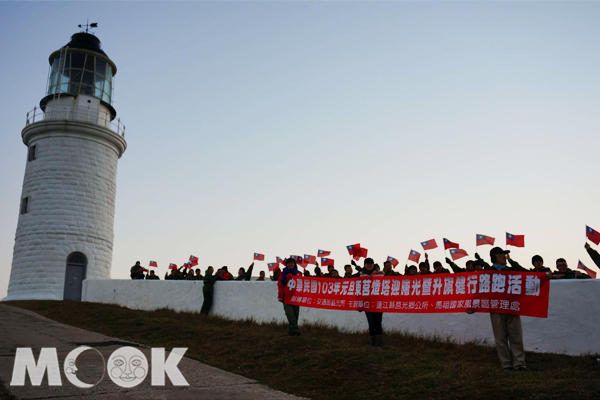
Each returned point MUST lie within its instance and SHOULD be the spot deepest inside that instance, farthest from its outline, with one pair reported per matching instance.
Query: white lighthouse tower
(67, 210)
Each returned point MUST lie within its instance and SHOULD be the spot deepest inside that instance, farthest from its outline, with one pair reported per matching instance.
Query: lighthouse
(67, 208)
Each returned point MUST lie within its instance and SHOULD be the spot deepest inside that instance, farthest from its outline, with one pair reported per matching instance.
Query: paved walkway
(23, 328)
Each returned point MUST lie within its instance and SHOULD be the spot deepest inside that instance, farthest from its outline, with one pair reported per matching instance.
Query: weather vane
(88, 25)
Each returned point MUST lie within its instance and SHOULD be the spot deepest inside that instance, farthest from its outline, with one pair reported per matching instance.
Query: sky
(286, 127)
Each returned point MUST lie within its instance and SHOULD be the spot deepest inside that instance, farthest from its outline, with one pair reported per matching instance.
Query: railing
(76, 113)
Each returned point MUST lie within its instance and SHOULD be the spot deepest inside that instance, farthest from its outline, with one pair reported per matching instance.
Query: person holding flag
(291, 312)
(564, 272)
(594, 254)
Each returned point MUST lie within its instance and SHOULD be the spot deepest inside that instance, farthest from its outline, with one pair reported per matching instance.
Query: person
(477, 265)
(508, 332)
(275, 276)
(208, 290)
(152, 276)
(330, 269)
(175, 275)
(306, 272)
(335, 274)
(261, 276)
(593, 253)
(198, 276)
(224, 275)
(357, 267)
(190, 276)
(243, 275)
(373, 318)
(424, 268)
(438, 268)
(564, 272)
(538, 265)
(412, 270)
(388, 270)
(457, 269)
(137, 272)
(348, 272)
(515, 265)
(291, 312)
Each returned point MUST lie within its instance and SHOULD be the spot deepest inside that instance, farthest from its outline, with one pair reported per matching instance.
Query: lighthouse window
(77, 61)
(31, 155)
(100, 67)
(25, 205)
(89, 63)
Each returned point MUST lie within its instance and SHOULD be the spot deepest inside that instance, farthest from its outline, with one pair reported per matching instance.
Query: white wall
(572, 326)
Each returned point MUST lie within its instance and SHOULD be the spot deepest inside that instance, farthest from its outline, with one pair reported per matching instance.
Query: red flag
(259, 257)
(326, 262)
(591, 273)
(352, 248)
(359, 253)
(144, 269)
(414, 256)
(323, 253)
(592, 235)
(300, 261)
(428, 245)
(172, 266)
(309, 259)
(280, 261)
(153, 264)
(193, 261)
(273, 266)
(483, 240)
(515, 240)
(393, 261)
(450, 245)
(188, 265)
(457, 253)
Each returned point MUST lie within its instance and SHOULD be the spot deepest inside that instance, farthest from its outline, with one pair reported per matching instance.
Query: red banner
(502, 292)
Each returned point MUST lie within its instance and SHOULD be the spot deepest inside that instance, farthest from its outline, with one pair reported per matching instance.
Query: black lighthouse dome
(81, 67)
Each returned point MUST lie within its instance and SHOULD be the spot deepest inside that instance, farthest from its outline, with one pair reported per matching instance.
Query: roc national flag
(308, 259)
(153, 264)
(457, 253)
(280, 261)
(273, 266)
(588, 271)
(393, 261)
(172, 266)
(326, 262)
(259, 257)
(188, 265)
(450, 245)
(144, 269)
(323, 253)
(483, 240)
(193, 260)
(428, 245)
(515, 240)
(414, 256)
(592, 235)
(352, 248)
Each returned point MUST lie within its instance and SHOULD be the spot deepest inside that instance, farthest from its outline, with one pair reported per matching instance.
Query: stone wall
(71, 187)
(572, 326)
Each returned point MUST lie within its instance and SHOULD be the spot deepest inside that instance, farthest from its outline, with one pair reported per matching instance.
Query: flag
(414, 256)
(189, 265)
(300, 261)
(483, 240)
(153, 264)
(352, 248)
(592, 235)
(457, 253)
(259, 257)
(280, 261)
(193, 260)
(360, 252)
(144, 269)
(591, 273)
(323, 253)
(273, 266)
(450, 245)
(393, 261)
(310, 259)
(515, 240)
(326, 262)
(172, 266)
(428, 245)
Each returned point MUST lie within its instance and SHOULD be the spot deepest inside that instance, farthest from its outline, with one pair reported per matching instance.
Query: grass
(326, 364)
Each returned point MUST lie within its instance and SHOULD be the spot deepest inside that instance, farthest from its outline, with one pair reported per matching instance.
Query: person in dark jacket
(438, 268)
(388, 270)
(243, 275)
(208, 290)
(593, 253)
(261, 276)
(373, 318)
(224, 275)
(291, 312)
(538, 265)
(457, 269)
(276, 274)
(564, 272)
(507, 328)
(137, 272)
(152, 276)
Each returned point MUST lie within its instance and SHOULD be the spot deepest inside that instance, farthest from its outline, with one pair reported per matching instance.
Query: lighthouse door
(75, 274)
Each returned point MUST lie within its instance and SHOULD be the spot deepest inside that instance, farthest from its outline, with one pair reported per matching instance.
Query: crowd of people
(507, 328)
